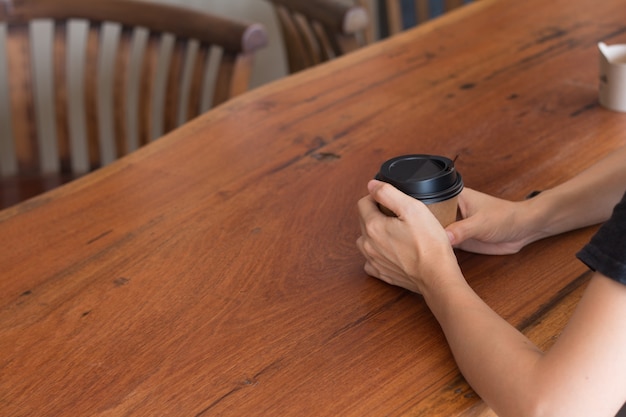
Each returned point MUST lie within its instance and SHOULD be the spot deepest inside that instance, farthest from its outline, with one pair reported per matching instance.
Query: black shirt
(606, 252)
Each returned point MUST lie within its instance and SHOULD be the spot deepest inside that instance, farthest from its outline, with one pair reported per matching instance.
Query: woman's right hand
(491, 225)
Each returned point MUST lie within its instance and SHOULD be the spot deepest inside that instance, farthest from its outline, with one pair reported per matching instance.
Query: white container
(612, 93)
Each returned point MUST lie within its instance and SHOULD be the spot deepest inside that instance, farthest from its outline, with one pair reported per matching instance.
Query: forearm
(580, 376)
(586, 199)
(492, 355)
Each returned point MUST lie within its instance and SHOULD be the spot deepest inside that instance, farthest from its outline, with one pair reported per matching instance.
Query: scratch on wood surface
(245, 383)
(369, 315)
(584, 109)
(325, 156)
(100, 236)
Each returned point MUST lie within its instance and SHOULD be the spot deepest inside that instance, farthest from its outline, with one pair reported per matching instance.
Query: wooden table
(215, 272)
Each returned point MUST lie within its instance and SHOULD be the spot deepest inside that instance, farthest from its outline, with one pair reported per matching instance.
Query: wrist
(440, 281)
(447, 293)
(536, 217)
(553, 212)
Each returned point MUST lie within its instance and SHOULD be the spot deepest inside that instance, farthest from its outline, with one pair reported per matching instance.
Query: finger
(462, 230)
(368, 211)
(467, 195)
(392, 198)
(360, 210)
(375, 257)
(366, 243)
(367, 207)
(476, 246)
(360, 245)
(370, 270)
(468, 227)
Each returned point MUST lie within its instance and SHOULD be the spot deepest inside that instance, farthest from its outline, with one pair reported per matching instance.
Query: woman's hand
(411, 250)
(492, 225)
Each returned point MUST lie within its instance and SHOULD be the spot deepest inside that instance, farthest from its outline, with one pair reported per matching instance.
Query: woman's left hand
(409, 250)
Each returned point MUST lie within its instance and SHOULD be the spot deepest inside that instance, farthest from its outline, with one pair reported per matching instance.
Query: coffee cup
(431, 179)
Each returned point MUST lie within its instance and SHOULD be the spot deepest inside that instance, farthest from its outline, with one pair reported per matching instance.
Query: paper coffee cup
(431, 179)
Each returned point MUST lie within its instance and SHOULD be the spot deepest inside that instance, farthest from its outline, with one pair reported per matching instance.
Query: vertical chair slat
(370, 33)
(305, 33)
(241, 75)
(232, 76)
(91, 95)
(422, 9)
(223, 79)
(147, 80)
(297, 58)
(174, 81)
(120, 89)
(8, 160)
(22, 99)
(61, 102)
(452, 4)
(394, 16)
(325, 41)
(196, 81)
(346, 44)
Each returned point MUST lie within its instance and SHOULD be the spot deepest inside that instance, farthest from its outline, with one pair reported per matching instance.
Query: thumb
(460, 231)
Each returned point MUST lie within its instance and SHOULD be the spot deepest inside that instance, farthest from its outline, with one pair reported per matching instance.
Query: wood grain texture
(215, 271)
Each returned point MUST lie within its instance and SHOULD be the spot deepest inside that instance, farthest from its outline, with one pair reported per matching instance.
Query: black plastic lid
(428, 178)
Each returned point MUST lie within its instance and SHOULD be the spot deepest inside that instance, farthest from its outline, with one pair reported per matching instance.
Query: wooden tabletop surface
(215, 272)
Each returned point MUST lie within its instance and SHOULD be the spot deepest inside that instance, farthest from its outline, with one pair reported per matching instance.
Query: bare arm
(495, 226)
(586, 199)
(580, 375)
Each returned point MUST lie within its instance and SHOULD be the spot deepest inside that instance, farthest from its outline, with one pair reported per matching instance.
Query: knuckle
(372, 228)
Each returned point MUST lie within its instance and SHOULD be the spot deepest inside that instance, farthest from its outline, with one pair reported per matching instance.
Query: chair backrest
(316, 31)
(141, 70)
(396, 15)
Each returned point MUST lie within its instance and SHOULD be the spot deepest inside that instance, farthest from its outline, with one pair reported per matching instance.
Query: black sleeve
(606, 252)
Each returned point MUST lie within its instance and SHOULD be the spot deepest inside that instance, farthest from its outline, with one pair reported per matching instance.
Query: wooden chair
(316, 31)
(396, 15)
(142, 69)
